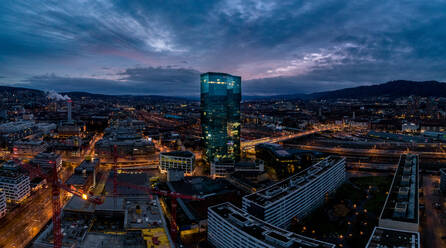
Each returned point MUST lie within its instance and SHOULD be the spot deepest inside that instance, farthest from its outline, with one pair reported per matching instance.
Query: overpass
(252, 143)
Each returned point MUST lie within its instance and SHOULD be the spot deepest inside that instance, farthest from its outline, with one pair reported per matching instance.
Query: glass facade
(220, 115)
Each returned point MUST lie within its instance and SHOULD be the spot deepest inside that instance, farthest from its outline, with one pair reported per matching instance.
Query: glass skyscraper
(220, 115)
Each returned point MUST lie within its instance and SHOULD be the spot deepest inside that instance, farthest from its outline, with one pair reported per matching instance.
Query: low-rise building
(84, 175)
(297, 195)
(182, 160)
(28, 148)
(231, 227)
(47, 161)
(224, 168)
(15, 185)
(401, 209)
(385, 237)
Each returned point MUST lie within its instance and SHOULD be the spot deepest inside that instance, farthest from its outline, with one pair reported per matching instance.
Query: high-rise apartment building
(220, 115)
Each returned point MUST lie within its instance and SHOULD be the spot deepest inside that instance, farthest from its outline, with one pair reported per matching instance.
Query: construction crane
(173, 195)
(56, 186)
(150, 191)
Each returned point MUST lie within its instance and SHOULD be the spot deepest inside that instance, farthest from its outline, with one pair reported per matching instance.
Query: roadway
(367, 152)
(24, 222)
(433, 223)
(252, 143)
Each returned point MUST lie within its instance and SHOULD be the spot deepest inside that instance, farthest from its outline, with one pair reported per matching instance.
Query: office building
(2, 204)
(230, 227)
(402, 204)
(443, 180)
(222, 168)
(220, 115)
(28, 148)
(15, 185)
(385, 237)
(297, 195)
(226, 167)
(183, 160)
(84, 175)
(285, 161)
(48, 160)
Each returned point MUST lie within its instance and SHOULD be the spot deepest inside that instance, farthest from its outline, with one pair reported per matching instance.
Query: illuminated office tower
(220, 115)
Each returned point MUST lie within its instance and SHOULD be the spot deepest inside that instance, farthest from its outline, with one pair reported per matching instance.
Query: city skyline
(154, 48)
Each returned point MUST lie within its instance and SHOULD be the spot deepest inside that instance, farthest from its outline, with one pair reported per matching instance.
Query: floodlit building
(220, 115)
(15, 185)
(402, 204)
(2, 204)
(297, 195)
(183, 160)
(385, 237)
(229, 227)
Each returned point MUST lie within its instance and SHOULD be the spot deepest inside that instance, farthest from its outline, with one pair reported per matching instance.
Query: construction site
(130, 218)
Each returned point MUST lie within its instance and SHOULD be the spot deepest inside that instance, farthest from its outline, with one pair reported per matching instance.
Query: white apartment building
(230, 227)
(183, 160)
(16, 186)
(297, 195)
(2, 204)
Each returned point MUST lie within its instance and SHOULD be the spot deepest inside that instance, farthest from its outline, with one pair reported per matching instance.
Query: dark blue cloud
(276, 46)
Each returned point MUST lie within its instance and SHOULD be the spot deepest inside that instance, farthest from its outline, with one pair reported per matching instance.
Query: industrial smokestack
(69, 110)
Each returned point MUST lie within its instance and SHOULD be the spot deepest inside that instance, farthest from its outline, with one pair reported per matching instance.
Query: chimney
(69, 110)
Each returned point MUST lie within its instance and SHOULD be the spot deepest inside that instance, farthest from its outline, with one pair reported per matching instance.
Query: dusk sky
(160, 47)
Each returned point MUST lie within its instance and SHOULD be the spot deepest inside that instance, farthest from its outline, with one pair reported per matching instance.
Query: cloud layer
(160, 47)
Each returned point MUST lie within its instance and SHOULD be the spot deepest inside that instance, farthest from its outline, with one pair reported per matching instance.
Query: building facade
(47, 160)
(220, 115)
(443, 180)
(2, 204)
(297, 195)
(15, 185)
(183, 160)
(230, 227)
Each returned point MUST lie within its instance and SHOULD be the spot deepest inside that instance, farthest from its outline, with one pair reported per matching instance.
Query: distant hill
(399, 88)
(19, 89)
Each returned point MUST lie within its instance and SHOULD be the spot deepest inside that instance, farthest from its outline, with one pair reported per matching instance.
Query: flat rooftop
(402, 200)
(262, 231)
(139, 179)
(185, 154)
(293, 183)
(385, 237)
